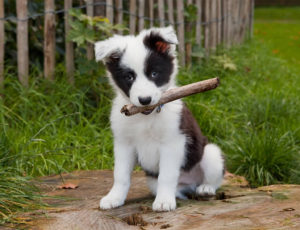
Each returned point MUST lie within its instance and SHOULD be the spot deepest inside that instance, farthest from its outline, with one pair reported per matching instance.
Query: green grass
(279, 28)
(254, 116)
(277, 13)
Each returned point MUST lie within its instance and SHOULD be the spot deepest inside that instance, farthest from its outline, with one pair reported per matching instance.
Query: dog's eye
(154, 74)
(130, 77)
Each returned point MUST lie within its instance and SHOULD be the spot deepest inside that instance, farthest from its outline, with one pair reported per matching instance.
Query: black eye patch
(122, 76)
(159, 60)
(161, 65)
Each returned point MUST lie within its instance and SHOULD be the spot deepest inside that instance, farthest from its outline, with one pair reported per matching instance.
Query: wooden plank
(90, 12)
(239, 20)
(49, 40)
(180, 31)
(161, 13)
(188, 44)
(69, 56)
(225, 21)
(141, 14)
(171, 12)
(99, 9)
(22, 42)
(199, 22)
(119, 13)
(110, 11)
(219, 23)
(207, 28)
(244, 20)
(214, 24)
(2, 41)
(151, 12)
(251, 18)
(132, 21)
(230, 22)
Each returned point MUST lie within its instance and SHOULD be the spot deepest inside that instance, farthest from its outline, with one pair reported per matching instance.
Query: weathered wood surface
(236, 206)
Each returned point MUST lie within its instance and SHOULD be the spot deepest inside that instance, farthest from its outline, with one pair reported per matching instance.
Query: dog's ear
(161, 40)
(109, 48)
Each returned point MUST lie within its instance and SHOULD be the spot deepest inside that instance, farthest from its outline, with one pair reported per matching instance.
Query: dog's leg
(212, 164)
(124, 163)
(171, 157)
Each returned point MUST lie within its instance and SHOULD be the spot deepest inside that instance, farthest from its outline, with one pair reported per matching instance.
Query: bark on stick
(174, 94)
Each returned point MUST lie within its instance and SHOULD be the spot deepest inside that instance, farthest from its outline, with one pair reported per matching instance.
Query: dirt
(236, 206)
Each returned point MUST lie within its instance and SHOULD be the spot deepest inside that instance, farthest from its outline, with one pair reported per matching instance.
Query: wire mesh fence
(214, 22)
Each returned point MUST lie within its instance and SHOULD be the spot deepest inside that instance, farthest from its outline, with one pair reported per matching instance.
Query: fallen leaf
(288, 209)
(68, 186)
(247, 69)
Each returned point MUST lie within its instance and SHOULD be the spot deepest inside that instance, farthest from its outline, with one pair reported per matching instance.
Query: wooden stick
(174, 94)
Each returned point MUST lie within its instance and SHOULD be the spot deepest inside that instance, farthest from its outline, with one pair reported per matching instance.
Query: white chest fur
(147, 133)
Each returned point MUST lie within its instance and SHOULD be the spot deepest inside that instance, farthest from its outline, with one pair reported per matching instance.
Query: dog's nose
(145, 100)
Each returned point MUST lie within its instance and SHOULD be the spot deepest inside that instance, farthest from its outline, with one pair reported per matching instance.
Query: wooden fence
(217, 22)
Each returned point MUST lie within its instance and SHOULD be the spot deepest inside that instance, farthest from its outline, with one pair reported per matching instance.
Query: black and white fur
(168, 145)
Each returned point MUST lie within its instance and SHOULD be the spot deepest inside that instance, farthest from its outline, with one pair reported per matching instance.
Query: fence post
(230, 23)
(199, 22)
(49, 40)
(251, 18)
(2, 41)
(132, 21)
(90, 12)
(207, 27)
(151, 15)
(188, 44)
(180, 31)
(171, 12)
(69, 57)
(99, 9)
(214, 24)
(22, 42)
(141, 14)
(161, 13)
(220, 20)
(110, 11)
(119, 16)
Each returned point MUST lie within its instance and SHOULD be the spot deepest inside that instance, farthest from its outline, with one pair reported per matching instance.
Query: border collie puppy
(166, 142)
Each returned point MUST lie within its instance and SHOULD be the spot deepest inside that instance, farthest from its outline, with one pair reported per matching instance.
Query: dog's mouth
(147, 112)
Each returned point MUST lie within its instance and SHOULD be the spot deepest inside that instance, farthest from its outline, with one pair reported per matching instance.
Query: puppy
(166, 142)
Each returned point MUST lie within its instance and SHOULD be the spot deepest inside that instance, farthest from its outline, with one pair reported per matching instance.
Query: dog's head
(141, 67)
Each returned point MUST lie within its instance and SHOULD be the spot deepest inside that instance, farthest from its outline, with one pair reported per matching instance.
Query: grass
(51, 128)
(279, 28)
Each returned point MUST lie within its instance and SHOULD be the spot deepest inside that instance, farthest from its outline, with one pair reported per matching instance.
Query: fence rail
(216, 22)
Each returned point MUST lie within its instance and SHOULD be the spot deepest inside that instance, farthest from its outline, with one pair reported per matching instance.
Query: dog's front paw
(206, 190)
(164, 204)
(109, 202)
